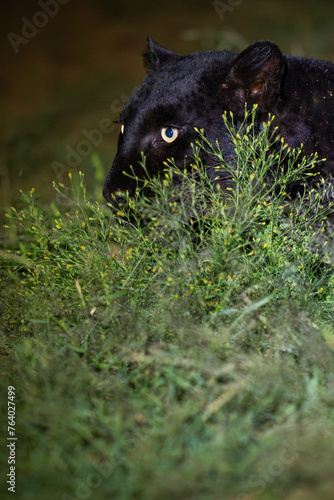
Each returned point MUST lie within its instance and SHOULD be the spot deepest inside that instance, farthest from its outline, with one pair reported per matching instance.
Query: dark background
(78, 68)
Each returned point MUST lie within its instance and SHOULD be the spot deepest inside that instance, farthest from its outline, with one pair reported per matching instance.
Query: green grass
(187, 355)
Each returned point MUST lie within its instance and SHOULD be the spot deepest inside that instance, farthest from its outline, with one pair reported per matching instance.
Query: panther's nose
(107, 194)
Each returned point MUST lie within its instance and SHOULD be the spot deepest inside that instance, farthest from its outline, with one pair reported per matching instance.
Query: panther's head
(184, 93)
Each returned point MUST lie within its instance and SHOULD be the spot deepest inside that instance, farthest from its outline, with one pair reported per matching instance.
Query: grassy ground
(185, 354)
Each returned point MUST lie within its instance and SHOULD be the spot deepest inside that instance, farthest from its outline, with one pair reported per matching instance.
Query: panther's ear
(156, 54)
(256, 75)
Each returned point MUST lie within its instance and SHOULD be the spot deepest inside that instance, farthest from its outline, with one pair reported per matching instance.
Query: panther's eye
(169, 134)
(122, 129)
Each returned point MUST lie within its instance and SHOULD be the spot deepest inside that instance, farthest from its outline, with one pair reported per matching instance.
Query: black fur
(184, 92)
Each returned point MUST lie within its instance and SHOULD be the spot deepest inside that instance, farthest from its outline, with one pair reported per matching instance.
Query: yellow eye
(169, 134)
(122, 129)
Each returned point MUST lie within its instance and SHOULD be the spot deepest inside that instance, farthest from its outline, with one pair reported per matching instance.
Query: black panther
(181, 93)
